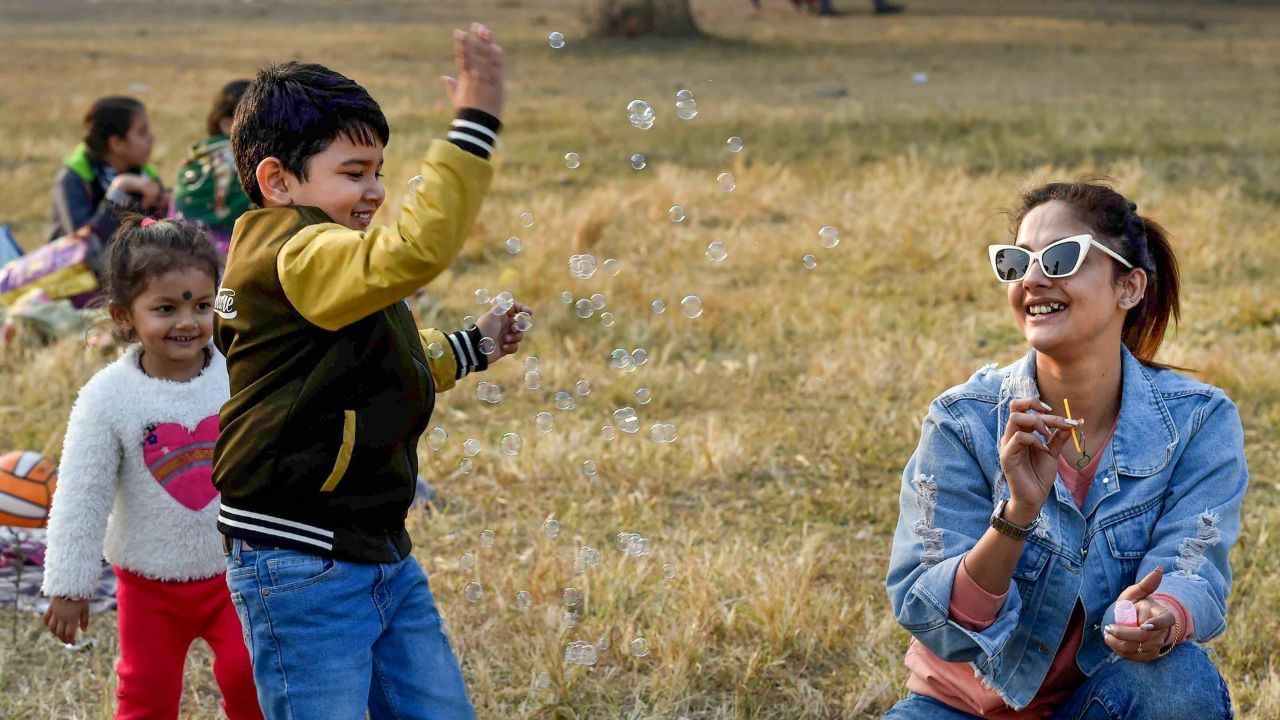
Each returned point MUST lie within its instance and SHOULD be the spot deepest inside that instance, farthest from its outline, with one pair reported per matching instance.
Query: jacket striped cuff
(475, 131)
(466, 349)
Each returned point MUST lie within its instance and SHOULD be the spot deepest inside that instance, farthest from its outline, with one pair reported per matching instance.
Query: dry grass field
(798, 393)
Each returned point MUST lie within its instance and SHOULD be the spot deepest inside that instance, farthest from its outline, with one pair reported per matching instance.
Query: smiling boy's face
(344, 180)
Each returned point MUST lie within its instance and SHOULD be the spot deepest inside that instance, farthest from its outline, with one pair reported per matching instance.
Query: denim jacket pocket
(1031, 563)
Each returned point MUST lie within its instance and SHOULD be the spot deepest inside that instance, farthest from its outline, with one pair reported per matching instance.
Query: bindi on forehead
(186, 294)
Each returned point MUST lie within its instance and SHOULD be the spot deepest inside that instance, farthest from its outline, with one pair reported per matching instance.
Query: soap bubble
(488, 346)
(676, 213)
(589, 556)
(580, 652)
(555, 40)
(566, 297)
(612, 267)
(437, 438)
(526, 219)
(486, 538)
(668, 571)
(639, 356)
(582, 266)
(725, 181)
(716, 251)
(597, 301)
(511, 444)
(466, 466)
(620, 358)
(544, 421)
(565, 401)
(640, 114)
(658, 307)
(687, 109)
(543, 681)
(638, 162)
(551, 528)
(603, 643)
(570, 597)
(473, 592)
(468, 322)
(435, 350)
(583, 388)
(590, 468)
(606, 319)
(471, 447)
(533, 380)
(488, 392)
(919, 78)
(643, 396)
(639, 546)
(608, 432)
(531, 362)
(572, 160)
(623, 540)
(524, 601)
(482, 296)
(661, 433)
(415, 184)
(810, 262)
(467, 562)
(691, 306)
(514, 245)
(503, 303)
(734, 144)
(684, 95)
(639, 647)
(522, 322)
(584, 308)
(828, 236)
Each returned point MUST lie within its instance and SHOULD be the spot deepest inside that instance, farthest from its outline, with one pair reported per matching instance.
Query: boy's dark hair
(293, 111)
(224, 105)
(138, 253)
(108, 117)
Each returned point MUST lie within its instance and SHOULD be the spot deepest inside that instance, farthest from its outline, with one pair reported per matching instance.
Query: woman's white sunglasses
(1058, 260)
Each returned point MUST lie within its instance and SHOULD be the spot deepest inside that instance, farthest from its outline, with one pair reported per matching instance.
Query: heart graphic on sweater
(182, 460)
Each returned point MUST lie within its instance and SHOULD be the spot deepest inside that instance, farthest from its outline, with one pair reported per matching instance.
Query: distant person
(208, 190)
(136, 484)
(823, 7)
(1065, 522)
(108, 171)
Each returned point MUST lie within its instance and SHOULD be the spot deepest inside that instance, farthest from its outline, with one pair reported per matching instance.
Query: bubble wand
(1083, 460)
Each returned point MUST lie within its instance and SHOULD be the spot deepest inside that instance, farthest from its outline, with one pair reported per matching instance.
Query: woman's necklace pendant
(1083, 461)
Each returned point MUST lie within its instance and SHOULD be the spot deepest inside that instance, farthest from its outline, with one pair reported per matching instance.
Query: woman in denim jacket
(1082, 475)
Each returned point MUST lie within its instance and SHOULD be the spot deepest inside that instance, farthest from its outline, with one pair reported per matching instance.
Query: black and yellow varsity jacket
(332, 384)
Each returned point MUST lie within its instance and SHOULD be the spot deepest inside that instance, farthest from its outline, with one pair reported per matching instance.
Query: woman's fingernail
(1148, 627)
(1072, 423)
(1046, 405)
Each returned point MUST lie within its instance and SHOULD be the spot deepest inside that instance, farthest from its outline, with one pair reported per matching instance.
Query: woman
(208, 190)
(110, 168)
(1086, 473)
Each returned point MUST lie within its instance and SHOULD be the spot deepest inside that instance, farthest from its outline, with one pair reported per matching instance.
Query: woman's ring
(1140, 650)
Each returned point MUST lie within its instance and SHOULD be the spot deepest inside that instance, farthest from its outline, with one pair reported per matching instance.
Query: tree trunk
(633, 18)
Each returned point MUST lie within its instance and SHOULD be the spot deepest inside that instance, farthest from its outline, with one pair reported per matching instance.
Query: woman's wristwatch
(1005, 527)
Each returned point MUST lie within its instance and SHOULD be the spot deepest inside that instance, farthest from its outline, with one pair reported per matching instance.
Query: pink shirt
(976, 609)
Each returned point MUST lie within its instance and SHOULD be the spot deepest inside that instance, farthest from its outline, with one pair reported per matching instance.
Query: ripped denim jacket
(1167, 492)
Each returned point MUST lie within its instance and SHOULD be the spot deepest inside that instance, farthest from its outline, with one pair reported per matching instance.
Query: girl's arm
(73, 209)
(83, 498)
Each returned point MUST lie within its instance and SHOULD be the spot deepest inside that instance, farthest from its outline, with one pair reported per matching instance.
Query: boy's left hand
(499, 328)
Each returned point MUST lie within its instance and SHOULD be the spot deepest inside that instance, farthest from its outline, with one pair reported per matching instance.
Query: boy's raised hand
(499, 328)
(480, 83)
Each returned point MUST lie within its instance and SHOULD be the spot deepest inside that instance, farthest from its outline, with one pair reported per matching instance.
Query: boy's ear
(275, 182)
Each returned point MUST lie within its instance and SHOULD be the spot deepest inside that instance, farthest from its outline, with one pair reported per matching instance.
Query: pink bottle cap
(1126, 613)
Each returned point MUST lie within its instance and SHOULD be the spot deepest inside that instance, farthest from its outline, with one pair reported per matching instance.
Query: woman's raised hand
(1030, 461)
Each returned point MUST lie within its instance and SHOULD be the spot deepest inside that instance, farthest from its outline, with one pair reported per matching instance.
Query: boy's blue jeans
(330, 638)
(1183, 685)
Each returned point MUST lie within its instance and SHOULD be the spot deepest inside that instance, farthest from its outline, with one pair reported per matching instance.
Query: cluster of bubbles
(633, 544)
(489, 392)
(662, 433)
(640, 114)
(583, 266)
(828, 237)
(627, 420)
(621, 359)
(580, 652)
(686, 106)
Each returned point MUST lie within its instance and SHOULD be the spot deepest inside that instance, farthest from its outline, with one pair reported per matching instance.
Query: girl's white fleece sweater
(137, 470)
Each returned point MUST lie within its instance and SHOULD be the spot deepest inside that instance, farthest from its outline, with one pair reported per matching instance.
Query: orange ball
(27, 481)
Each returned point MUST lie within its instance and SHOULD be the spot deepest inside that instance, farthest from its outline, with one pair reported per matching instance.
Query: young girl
(1065, 522)
(136, 468)
(110, 169)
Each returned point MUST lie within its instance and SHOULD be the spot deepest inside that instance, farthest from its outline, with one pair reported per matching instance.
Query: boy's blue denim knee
(330, 639)
(1184, 685)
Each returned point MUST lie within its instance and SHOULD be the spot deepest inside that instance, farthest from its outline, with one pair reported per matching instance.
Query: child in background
(136, 470)
(108, 171)
(332, 386)
(208, 191)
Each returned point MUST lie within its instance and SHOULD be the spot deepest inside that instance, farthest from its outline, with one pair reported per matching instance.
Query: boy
(332, 387)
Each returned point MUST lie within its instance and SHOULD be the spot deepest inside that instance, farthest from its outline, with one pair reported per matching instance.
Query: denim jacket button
(1042, 647)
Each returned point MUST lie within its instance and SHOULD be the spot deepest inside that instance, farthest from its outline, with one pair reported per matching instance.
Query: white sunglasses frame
(1084, 241)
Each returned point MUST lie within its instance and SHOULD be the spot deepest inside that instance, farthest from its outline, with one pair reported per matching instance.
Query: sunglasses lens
(1060, 259)
(1011, 263)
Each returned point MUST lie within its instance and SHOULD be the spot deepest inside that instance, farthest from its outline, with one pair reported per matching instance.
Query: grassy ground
(798, 393)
